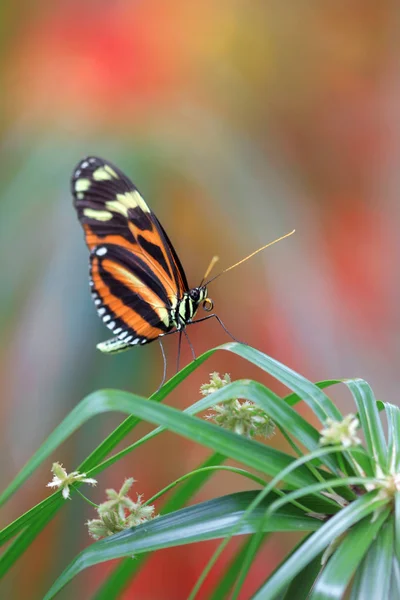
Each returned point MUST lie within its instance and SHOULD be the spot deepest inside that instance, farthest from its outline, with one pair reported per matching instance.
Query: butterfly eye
(208, 304)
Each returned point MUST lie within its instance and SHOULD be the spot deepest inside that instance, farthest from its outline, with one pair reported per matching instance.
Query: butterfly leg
(222, 325)
(179, 351)
(190, 344)
(165, 366)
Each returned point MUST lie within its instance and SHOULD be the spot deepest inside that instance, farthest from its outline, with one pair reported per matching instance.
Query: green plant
(343, 494)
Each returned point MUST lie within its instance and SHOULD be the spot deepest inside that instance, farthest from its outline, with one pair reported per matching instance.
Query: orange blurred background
(238, 122)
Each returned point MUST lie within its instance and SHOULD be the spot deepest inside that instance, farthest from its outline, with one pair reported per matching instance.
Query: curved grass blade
(303, 583)
(249, 452)
(62, 432)
(293, 398)
(227, 580)
(24, 540)
(95, 403)
(393, 419)
(208, 520)
(320, 404)
(373, 578)
(397, 525)
(269, 488)
(394, 591)
(315, 544)
(341, 566)
(370, 420)
(92, 405)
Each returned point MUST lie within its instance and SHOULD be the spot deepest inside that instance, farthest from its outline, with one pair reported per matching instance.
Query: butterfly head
(189, 304)
(199, 295)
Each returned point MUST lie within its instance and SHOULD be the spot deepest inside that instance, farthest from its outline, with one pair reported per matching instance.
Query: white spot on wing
(118, 330)
(123, 335)
(101, 251)
(82, 185)
(84, 164)
(111, 325)
(106, 318)
(101, 311)
(101, 174)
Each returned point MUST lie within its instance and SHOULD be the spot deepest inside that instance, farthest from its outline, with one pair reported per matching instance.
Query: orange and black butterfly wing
(136, 276)
(129, 298)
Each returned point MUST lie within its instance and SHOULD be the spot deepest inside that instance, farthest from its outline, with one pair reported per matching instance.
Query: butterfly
(138, 284)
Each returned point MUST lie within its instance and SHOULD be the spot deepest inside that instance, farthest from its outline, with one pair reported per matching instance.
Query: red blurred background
(238, 122)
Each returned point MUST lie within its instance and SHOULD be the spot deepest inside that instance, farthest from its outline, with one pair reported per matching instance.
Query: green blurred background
(238, 121)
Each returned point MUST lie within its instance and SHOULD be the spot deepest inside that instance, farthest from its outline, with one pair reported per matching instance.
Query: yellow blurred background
(238, 121)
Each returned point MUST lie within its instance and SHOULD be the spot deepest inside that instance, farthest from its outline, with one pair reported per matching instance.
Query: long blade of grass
(261, 496)
(97, 403)
(303, 583)
(373, 577)
(94, 404)
(394, 591)
(320, 404)
(227, 580)
(341, 566)
(293, 398)
(315, 544)
(393, 419)
(370, 420)
(208, 520)
(99, 454)
(397, 525)
(253, 454)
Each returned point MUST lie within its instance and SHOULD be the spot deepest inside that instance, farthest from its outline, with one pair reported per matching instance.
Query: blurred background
(238, 122)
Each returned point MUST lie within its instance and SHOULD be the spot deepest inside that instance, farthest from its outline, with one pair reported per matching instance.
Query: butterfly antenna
(247, 257)
(214, 260)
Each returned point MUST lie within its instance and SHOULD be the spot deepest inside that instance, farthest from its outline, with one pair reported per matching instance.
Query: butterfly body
(138, 284)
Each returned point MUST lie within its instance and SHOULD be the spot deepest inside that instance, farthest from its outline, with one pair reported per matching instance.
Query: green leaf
(370, 420)
(253, 454)
(393, 419)
(374, 575)
(102, 401)
(397, 525)
(315, 544)
(293, 399)
(227, 580)
(107, 400)
(394, 591)
(320, 404)
(302, 584)
(94, 404)
(336, 576)
(25, 539)
(279, 411)
(208, 520)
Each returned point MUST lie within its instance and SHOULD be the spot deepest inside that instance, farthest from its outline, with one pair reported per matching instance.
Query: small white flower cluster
(242, 417)
(63, 480)
(119, 512)
(341, 432)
